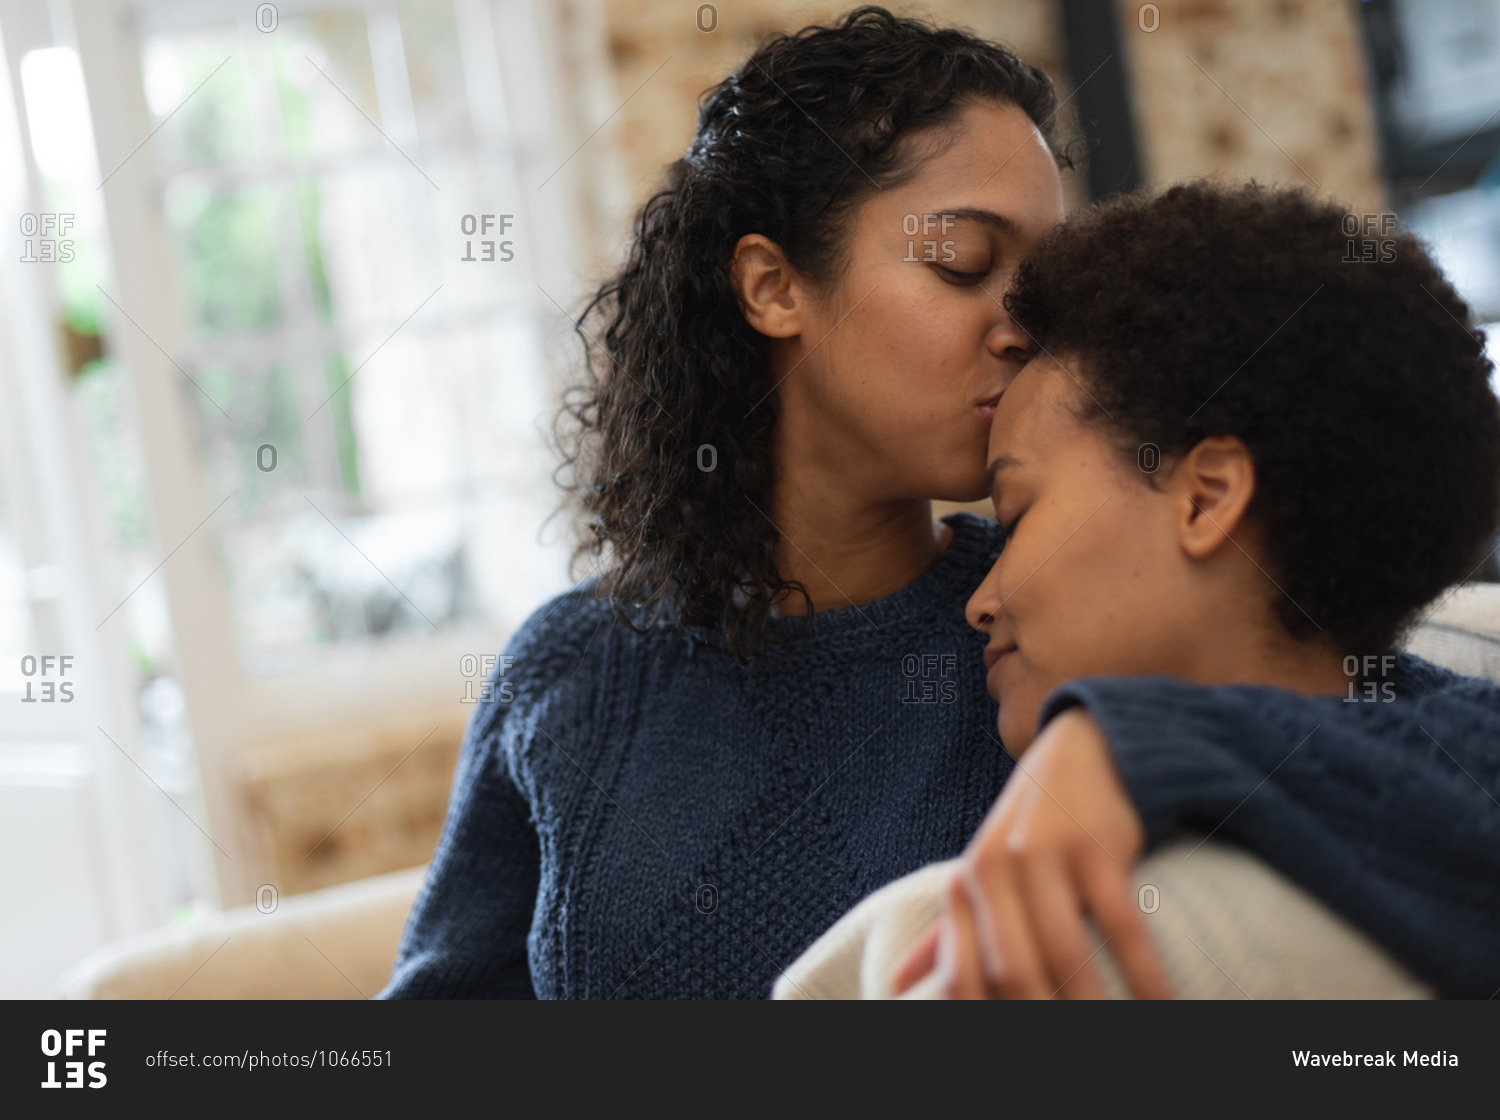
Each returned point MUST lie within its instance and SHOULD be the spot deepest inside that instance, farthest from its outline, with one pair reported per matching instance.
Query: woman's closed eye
(959, 277)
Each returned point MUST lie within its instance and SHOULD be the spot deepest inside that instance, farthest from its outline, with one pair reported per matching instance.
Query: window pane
(369, 374)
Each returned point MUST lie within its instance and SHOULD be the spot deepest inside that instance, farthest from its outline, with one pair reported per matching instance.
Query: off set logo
(65, 1044)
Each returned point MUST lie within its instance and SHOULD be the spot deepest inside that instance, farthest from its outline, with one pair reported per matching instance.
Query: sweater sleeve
(1386, 811)
(466, 936)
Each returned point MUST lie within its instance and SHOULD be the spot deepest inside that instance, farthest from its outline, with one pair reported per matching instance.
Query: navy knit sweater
(643, 817)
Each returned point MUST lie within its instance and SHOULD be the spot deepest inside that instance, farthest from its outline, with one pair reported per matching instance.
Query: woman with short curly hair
(1254, 537)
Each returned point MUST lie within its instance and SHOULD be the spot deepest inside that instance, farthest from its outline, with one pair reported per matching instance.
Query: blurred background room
(285, 313)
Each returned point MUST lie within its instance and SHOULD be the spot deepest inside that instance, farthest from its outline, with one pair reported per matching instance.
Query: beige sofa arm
(336, 943)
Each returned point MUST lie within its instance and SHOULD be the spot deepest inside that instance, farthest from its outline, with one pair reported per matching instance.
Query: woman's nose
(1007, 341)
(984, 605)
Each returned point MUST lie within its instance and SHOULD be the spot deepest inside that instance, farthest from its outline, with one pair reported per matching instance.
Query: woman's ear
(769, 290)
(1214, 483)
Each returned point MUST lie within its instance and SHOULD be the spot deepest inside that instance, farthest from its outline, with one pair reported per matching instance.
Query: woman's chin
(964, 489)
(1016, 734)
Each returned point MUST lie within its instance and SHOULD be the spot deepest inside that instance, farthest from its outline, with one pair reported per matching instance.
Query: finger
(1014, 967)
(959, 947)
(1112, 900)
(1055, 905)
(985, 935)
(917, 963)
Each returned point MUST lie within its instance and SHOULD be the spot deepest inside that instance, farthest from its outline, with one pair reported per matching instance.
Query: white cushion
(1462, 631)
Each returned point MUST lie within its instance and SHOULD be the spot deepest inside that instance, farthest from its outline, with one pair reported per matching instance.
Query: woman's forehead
(991, 158)
(1033, 416)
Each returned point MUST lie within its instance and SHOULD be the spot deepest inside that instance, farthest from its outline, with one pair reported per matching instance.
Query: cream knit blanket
(1227, 926)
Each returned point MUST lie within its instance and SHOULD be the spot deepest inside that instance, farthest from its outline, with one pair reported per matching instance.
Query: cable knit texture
(646, 818)
(636, 815)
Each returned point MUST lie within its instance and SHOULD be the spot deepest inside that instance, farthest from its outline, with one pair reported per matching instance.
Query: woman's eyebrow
(998, 464)
(991, 218)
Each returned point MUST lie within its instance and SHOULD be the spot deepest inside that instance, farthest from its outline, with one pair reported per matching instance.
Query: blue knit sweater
(636, 815)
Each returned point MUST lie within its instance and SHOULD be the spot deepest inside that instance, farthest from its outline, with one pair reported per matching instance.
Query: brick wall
(1267, 89)
(344, 805)
(658, 62)
(1294, 103)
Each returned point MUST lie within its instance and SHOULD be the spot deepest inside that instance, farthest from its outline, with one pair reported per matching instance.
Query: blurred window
(366, 368)
(1435, 66)
(1435, 69)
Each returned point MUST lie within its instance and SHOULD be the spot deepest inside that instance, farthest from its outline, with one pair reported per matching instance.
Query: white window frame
(232, 712)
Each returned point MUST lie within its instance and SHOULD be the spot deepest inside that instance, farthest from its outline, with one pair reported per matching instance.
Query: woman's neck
(1308, 668)
(847, 554)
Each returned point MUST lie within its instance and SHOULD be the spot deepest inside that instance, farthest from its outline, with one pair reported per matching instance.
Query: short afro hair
(1332, 346)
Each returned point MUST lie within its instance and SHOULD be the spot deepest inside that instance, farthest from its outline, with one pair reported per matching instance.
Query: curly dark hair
(677, 381)
(1331, 345)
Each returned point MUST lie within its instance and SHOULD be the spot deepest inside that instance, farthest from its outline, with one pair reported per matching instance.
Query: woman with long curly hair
(765, 701)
